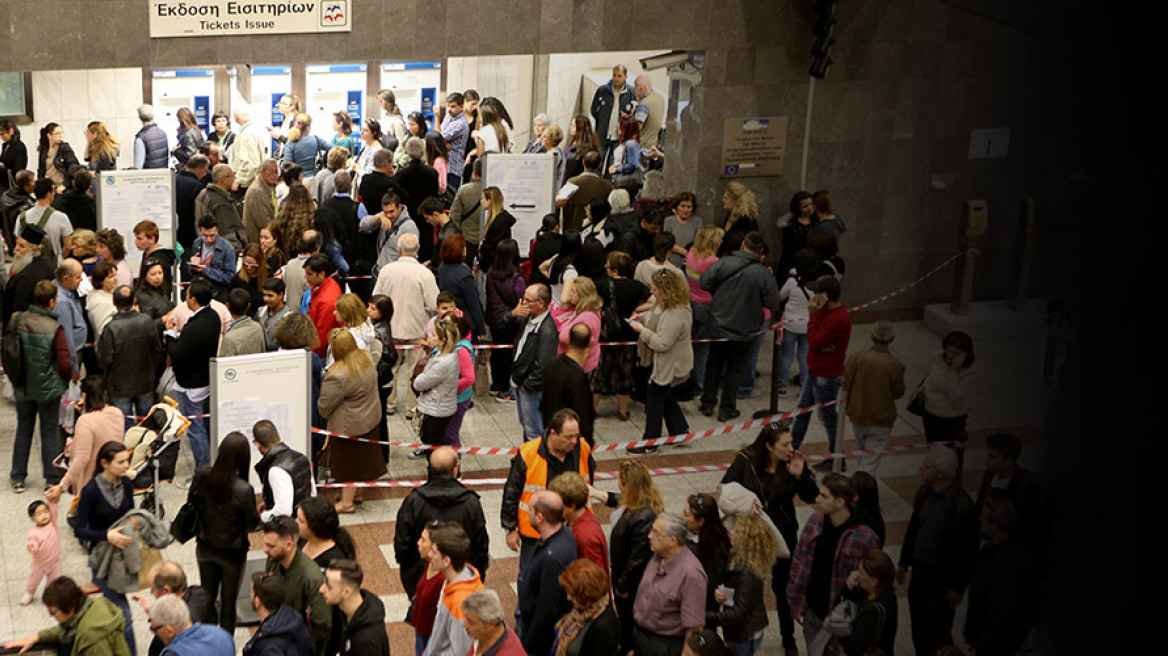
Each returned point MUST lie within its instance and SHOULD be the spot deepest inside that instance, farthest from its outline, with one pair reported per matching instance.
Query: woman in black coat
(629, 550)
(55, 158)
(226, 507)
(591, 628)
(776, 473)
(497, 227)
(455, 276)
(13, 154)
(103, 501)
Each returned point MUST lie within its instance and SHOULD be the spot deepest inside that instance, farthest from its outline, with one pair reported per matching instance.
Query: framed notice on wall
(16, 95)
(753, 147)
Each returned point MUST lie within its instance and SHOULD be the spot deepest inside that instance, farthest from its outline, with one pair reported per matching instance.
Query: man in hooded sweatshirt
(444, 498)
(449, 554)
(282, 630)
(358, 615)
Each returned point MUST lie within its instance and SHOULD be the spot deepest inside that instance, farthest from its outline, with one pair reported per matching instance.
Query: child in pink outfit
(44, 543)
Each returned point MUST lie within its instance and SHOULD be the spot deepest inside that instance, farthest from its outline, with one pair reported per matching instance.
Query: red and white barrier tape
(657, 441)
(972, 251)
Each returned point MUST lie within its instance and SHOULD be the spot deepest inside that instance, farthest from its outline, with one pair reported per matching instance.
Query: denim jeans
(746, 386)
(750, 647)
(121, 602)
(816, 390)
(197, 433)
(792, 342)
(420, 643)
(137, 406)
(27, 413)
(660, 404)
(529, 416)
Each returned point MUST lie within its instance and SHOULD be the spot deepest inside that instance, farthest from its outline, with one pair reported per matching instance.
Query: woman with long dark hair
(416, 127)
(560, 269)
(105, 500)
(13, 154)
(796, 235)
(491, 136)
(190, 137)
(505, 286)
(581, 139)
(321, 532)
(343, 132)
(946, 390)
(226, 507)
(100, 422)
(153, 292)
(871, 585)
(437, 157)
(867, 506)
(370, 144)
(776, 473)
(708, 540)
(55, 156)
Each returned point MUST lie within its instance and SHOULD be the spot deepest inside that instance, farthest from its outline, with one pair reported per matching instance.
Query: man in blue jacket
(170, 620)
(611, 102)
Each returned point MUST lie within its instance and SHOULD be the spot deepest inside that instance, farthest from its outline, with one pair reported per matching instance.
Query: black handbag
(186, 523)
(916, 400)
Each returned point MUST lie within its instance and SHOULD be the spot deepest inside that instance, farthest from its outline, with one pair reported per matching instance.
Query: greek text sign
(171, 18)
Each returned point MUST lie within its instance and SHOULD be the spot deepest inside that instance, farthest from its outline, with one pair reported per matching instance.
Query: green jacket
(99, 626)
(42, 381)
(302, 591)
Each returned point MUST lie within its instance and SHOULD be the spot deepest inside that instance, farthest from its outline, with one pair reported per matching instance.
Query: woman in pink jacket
(583, 305)
(100, 422)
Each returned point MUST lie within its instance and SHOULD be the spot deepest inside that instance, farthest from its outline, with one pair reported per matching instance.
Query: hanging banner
(173, 18)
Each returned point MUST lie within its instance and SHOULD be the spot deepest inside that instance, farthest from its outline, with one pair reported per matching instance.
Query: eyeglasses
(154, 627)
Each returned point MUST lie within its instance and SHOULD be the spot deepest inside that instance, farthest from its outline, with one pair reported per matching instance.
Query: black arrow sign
(525, 207)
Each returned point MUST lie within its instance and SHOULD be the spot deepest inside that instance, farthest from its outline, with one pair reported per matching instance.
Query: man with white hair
(151, 150)
(873, 380)
(252, 146)
(671, 599)
(216, 200)
(650, 114)
(419, 181)
(940, 547)
(414, 293)
(170, 620)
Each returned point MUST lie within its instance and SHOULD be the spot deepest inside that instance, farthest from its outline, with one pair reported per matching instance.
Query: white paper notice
(238, 415)
(279, 414)
(729, 592)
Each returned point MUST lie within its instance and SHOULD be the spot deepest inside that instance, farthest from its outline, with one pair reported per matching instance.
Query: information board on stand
(276, 386)
(124, 198)
(526, 184)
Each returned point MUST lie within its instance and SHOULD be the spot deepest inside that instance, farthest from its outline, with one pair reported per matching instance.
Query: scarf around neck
(574, 622)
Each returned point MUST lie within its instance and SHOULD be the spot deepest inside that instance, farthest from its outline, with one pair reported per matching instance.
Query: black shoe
(418, 454)
(795, 380)
(707, 410)
(726, 414)
(639, 450)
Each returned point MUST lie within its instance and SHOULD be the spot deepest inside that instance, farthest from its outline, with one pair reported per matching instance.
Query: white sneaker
(26, 599)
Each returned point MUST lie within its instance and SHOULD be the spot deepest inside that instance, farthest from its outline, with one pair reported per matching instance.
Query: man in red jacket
(320, 303)
(828, 332)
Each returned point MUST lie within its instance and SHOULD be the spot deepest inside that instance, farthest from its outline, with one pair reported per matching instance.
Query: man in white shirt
(414, 292)
(252, 146)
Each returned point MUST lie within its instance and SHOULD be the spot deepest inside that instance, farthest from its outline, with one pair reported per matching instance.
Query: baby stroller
(153, 444)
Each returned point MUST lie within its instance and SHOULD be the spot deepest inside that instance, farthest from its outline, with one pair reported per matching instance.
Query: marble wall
(911, 79)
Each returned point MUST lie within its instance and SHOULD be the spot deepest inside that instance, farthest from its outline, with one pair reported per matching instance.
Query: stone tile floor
(1008, 395)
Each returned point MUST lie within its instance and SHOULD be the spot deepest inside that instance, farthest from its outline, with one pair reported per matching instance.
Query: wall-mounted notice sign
(171, 18)
(753, 146)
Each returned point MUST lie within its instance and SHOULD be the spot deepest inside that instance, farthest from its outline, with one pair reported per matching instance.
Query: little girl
(44, 543)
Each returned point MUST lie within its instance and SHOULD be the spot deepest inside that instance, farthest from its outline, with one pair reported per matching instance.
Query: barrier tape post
(776, 365)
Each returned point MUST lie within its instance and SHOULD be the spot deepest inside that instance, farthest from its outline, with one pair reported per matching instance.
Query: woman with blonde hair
(629, 551)
(497, 227)
(303, 147)
(741, 216)
(111, 247)
(664, 344)
(350, 404)
(701, 256)
(437, 385)
(551, 138)
(190, 137)
(582, 305)
(392, 120)
(491, 135)
(83, 248)
(753, 552)
(351, 316)
(101, 154)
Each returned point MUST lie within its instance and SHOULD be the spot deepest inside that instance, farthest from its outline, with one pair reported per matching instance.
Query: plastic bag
(69, 401)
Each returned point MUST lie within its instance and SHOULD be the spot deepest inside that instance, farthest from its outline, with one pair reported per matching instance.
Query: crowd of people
(383, 254)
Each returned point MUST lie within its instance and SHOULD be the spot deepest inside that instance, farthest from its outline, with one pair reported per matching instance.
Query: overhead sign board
(173, 18)
(753, 146)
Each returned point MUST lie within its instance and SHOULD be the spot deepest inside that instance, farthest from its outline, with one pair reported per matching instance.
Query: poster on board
(125, 198)
(526, 184)
(276, 386)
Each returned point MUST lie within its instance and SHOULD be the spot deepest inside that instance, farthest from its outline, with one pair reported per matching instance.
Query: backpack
(12, 353)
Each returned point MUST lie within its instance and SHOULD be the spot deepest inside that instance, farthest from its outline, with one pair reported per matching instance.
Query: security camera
(664, 60)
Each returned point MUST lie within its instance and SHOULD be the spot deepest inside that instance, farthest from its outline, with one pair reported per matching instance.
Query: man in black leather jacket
(535, 347)
(442, 498)
(130, 350)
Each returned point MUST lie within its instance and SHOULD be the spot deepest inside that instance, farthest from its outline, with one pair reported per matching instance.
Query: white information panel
(126, 197)
(276, 386)
(526, 183)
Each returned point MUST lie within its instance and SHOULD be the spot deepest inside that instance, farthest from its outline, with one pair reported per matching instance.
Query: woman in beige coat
(350, 405)
(664, 342)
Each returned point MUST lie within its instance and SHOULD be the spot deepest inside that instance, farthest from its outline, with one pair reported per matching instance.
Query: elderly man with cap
(873, 380)
(27, 269)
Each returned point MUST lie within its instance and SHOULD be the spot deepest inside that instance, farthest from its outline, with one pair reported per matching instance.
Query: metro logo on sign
(334, 13)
